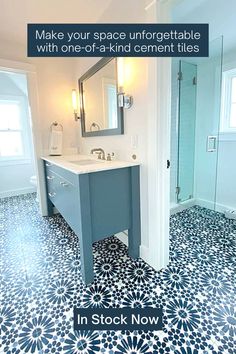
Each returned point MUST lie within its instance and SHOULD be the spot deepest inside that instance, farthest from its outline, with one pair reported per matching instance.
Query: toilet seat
(33, 180)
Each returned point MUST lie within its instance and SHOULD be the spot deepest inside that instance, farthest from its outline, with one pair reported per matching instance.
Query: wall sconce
(75, 104)
(124, 100)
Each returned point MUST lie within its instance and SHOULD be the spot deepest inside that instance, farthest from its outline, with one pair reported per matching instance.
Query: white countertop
(66, 162)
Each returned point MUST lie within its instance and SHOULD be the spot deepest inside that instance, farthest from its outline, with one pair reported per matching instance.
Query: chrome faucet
(100, 152)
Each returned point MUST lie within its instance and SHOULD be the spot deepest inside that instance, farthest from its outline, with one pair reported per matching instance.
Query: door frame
(156, 253)
(30, 71)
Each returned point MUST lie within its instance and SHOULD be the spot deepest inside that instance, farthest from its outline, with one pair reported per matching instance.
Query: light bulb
(120, 65)
(74, 100)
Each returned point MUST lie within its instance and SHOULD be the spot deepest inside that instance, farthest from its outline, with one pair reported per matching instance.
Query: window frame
(26, 157)
(226, 102)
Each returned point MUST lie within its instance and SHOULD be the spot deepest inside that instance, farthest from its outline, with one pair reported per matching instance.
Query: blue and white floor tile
(41, 283)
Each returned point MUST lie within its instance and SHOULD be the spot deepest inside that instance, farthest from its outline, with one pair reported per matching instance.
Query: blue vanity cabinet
(63, 193)
(96, 205)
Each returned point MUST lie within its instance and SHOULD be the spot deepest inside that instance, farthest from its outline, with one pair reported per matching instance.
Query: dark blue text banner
(118, 40)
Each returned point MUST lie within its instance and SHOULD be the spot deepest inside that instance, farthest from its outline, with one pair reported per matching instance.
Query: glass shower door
(207, 125)
(187, 77)
(198, 127)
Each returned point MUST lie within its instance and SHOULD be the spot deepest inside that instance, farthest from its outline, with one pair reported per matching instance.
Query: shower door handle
(211, 143)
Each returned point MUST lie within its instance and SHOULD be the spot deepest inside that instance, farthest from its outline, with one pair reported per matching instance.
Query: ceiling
(15, 14)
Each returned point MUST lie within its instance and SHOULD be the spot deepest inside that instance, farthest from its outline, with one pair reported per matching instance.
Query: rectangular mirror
(99, 105)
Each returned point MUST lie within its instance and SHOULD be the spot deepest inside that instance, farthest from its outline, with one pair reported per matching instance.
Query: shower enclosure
(187, 77)
(196, 103)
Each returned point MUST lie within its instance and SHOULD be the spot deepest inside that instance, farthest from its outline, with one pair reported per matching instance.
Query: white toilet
(33, 181)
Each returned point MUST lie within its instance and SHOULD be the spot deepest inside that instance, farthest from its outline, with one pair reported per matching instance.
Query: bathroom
(181, 257)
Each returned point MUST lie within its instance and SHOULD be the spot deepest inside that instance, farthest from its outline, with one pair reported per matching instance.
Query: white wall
(226, 175)
(15, 179)
(56, 78)
(207, 123)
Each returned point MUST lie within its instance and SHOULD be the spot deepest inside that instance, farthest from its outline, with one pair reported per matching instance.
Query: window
(228, 109)
(112, 106)
(13, 137)
(109, 103)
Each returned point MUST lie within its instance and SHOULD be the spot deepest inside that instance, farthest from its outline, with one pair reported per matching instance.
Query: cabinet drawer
(69, 176)
(50, 180)
(67, 201)
(65, 197)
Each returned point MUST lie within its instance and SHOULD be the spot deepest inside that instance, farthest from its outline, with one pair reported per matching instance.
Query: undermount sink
(85, 162)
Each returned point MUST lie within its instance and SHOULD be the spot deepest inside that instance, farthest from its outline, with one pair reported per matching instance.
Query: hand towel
(55, 147)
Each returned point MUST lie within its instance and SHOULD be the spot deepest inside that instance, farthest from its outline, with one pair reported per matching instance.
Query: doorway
(17, 161)
(9, 66)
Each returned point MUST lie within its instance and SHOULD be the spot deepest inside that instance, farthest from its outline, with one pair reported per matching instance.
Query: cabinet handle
(51, 194)
(64, 184)
(50, 177)
(48, 164)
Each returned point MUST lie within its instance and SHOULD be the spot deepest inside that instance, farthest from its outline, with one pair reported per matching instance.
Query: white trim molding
(176, 208)
(226, 101)
(15, 192)
(16, 66)
(156, 253)
(213, 205)
(123, 237)
(227, 137)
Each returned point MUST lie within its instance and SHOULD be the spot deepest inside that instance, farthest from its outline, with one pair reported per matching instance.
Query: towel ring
(55, 124)
(94, 125)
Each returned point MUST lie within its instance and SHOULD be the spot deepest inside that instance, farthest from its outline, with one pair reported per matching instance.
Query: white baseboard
(123, 237)
(182, 206)
(205, 203)
(144, 251)
(213, 206)
(200, 202)
(15, 192)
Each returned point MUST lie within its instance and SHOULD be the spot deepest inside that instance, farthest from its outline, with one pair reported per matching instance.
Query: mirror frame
(120, 110)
